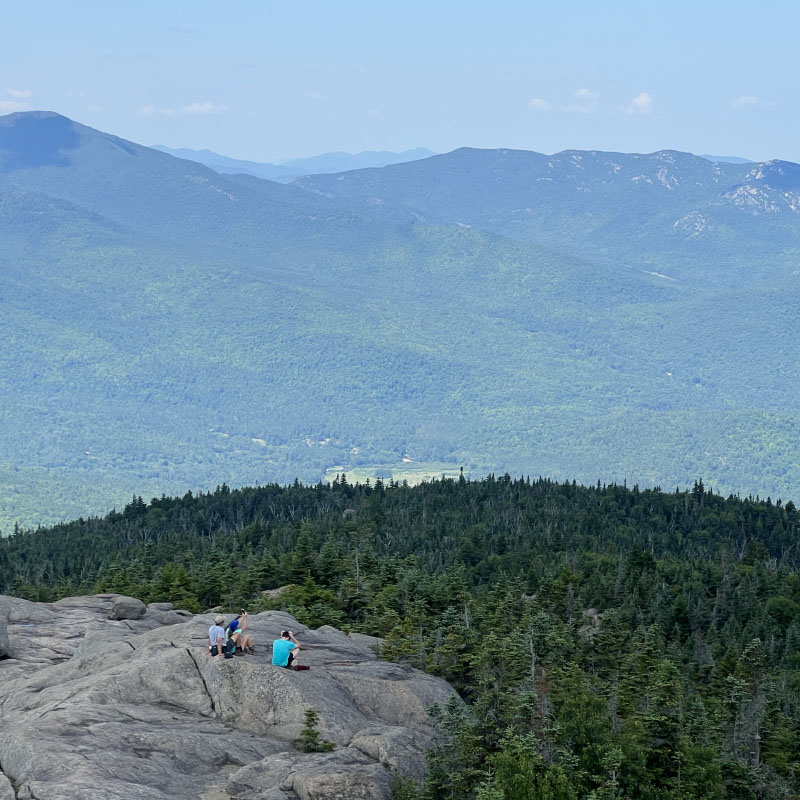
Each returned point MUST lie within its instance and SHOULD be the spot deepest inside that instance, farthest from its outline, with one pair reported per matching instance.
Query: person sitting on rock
(217, 639)
(285, 650)
(236, 633)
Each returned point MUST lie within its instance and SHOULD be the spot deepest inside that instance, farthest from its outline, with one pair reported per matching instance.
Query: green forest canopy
(610, 642)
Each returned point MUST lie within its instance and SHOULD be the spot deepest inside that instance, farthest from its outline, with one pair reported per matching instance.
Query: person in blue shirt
(285, 650)
(236, 633)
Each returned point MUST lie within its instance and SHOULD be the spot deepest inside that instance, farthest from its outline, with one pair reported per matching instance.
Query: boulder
(127, 608)
(19, 611)
(345, 773)
(159, 606)
(400, 751)
(172, 617)
(374, 643)
(273, 593)
(142, 704)
(6, 789)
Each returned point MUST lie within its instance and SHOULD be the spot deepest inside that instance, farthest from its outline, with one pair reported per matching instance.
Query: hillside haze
(285, 171)
(580, 315)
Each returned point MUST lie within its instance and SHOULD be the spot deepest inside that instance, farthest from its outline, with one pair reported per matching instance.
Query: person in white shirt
(217, 637)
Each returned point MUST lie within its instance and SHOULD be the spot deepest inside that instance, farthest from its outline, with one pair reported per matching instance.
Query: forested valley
(609, 642)
(582, 314)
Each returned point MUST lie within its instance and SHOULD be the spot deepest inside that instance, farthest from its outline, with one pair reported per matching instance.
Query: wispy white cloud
(585, 102)
(10, 106)
(204, 108)
(539, 104)
(748, 101)
(18, 103)
(94, 109)
(168, 111)
(316, 96)
(641, 104)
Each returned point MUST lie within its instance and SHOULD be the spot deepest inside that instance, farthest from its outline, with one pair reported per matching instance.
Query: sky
(270, 80)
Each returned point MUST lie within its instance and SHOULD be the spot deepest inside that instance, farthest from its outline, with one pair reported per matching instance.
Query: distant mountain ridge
(341, 162)
(285, 171)
(670, 211)
(227, 165)
(580, 315)
(729, 159)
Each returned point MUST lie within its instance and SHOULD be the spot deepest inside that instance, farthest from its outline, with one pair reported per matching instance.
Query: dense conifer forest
(609, 642)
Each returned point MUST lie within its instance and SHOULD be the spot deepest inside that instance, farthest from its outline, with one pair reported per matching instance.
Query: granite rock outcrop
(94, 707)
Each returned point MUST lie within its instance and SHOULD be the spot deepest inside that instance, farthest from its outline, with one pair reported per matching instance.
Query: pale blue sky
(269, 80)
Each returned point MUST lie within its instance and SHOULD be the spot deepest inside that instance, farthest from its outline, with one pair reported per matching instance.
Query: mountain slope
(728, 159)
(167, 328)
(174, 198)
(668, 211)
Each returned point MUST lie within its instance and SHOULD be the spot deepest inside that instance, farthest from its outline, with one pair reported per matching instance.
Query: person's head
(219, 620)
(286, 634)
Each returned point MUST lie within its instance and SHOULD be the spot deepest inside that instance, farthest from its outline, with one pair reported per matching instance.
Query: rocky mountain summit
(102, 697)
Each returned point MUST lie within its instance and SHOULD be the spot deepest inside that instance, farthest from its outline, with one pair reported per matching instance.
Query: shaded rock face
(127, 608)
(92, 706)
(3, 637)
(6, 789)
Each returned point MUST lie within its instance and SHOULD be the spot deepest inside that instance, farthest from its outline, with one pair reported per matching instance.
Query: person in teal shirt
(285, 650)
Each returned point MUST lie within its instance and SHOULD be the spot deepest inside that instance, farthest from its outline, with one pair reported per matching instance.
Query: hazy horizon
(271, 82)
(287, 161)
